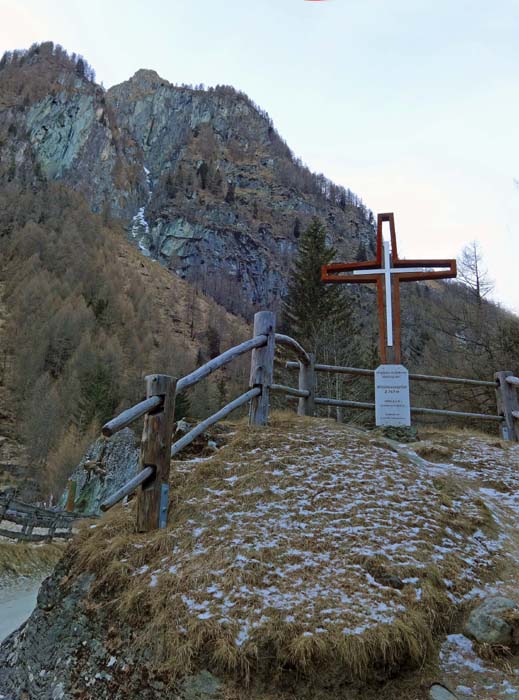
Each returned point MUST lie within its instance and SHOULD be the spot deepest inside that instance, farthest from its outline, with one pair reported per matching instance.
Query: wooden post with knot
(153, 496)
(71, 495)
(508, 404)
(306, 406)
(262, 367)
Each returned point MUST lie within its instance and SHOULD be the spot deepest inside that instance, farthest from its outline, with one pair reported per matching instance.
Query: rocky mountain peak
(146, 79)
(201, 178)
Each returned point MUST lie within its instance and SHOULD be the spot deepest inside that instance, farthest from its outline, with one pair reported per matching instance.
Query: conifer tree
(309, 302)
(182, 405)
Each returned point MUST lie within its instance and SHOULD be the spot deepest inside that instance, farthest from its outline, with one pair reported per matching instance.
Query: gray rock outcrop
(440, 692)
(488, 623)
(200, 177)
(117, 460)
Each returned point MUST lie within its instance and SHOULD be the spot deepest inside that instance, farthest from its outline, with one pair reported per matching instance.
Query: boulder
(202, 686)
(106, 466)
(491, 622)
(440, 692)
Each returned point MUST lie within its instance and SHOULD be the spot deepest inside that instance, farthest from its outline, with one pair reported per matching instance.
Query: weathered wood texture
(128, 488)
(152, 497)
(416, 377)
(289, 342)
(289, 391)
(507, 405)
(71, 495)
(220, 361)
(30, 517)
(262, 367)
(208, 422)
(127, 417)
(306, 405)
(322, 401)
(21, 536)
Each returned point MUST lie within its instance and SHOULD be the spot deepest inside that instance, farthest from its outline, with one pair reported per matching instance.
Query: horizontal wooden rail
(32, 517)
(514, 381)
(208, 422)
(137, 480)
(430, 411)
(124, 419)
(290, 391)
(457, 414)
(38, 511)
(128, 488)
(416, 377)
(334, 368)
(31, 537)
(451, 380)
(322, 401)
(36, 520)
(289, 342)
(220, 361)
(131, 414)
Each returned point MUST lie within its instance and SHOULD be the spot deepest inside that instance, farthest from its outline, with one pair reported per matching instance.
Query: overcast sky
(413, 104)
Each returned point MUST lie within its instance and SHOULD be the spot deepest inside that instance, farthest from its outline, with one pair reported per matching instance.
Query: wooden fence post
(4, 504)
(507, 403)
(71, 495)
(153, 496)
(52, 529)
(262, 367)
(306, 406)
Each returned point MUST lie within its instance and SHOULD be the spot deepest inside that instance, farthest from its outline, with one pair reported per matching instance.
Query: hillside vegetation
(88, 317)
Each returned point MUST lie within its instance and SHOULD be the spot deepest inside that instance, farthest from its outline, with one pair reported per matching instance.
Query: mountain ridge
(200, 177)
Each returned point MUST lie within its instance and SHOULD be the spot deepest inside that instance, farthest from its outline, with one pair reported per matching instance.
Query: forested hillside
(88, 317)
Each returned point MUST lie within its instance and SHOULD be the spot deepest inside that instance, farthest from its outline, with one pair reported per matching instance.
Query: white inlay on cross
(387, 271)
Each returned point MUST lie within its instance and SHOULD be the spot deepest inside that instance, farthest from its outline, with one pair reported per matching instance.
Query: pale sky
(412, 104)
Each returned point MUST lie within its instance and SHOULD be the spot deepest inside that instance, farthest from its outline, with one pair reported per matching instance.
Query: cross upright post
(387, 270)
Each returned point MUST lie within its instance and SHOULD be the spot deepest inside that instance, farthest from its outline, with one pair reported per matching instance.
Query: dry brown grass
(304, 546)
(20, 559)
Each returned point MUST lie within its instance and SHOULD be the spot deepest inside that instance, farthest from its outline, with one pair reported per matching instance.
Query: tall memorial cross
(387, 270)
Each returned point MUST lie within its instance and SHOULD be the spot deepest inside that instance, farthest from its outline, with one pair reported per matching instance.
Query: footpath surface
(16, 604)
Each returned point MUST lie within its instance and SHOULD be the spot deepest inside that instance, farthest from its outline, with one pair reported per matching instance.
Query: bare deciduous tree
(473, 273)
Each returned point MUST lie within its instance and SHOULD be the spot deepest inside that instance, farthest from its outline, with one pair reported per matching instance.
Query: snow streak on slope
(139, 225)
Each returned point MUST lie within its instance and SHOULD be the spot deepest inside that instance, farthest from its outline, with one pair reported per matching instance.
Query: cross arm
(414, 275)
(329, 273)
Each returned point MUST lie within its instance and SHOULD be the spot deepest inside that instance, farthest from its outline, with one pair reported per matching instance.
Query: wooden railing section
(58, 524)
(152, 481)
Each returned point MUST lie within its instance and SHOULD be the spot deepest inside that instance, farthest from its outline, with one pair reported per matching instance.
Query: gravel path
(16, 604)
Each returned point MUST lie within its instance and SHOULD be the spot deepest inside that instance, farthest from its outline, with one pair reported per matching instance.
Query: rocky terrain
(306, 560)
(200, 177)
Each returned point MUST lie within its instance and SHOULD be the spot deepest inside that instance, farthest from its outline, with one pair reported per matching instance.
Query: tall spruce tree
(309, 302)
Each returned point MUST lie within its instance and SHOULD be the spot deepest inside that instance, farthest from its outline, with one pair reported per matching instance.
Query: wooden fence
(58, 524)
(158, 409)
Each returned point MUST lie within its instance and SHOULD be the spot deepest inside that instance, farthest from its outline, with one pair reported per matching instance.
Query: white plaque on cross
(392, 403)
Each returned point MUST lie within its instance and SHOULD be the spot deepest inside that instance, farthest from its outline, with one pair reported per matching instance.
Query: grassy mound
(305, 546)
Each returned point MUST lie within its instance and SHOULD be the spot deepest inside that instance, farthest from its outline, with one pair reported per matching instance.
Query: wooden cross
(387, 271)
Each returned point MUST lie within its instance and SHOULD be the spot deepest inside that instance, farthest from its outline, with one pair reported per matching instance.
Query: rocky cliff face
(55, 124)
(106, 466)
(202, 179)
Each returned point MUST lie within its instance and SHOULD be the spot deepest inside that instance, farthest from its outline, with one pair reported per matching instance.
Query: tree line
(449, 329)
(82, 331)
(49, 50)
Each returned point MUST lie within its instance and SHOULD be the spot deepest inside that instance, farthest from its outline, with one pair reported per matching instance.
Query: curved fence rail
(152, 482)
